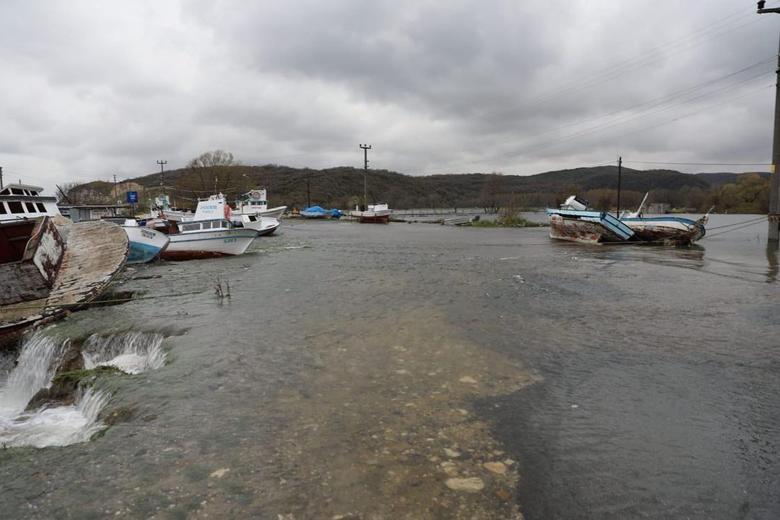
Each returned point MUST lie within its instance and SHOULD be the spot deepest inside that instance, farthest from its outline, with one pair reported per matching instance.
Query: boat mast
(366, 148)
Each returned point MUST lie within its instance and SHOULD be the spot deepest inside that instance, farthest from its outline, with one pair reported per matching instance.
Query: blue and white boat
(575, 222)
(145, 244)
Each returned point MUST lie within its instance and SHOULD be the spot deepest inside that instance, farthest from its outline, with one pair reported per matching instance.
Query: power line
(654, 55)
(696, 163)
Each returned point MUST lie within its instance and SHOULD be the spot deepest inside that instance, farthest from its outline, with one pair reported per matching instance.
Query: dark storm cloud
(96, 88)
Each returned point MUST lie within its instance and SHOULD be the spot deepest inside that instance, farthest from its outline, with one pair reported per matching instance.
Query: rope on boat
(740, 225)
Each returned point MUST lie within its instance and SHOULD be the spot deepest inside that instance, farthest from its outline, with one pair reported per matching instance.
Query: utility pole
(308, 191)
(1, 177)
(365, 148)
(162, 174)
(774, 184)
(115, 192)
(620, 174)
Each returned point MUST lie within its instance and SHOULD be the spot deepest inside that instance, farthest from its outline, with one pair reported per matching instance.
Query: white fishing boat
(374, 214)
(21, 201)
(209, 234)
(263, 225)
(254, 203)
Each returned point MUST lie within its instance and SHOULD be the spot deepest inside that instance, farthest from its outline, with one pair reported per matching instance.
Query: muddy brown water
(357, 370)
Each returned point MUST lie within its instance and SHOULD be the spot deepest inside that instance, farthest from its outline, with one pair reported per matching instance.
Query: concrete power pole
(365, 148)
(162, 174)
(774, 193)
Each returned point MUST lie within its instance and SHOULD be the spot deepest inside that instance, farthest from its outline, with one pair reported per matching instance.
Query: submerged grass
(505, 221)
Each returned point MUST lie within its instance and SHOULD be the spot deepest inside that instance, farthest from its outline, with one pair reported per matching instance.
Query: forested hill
(342, 187)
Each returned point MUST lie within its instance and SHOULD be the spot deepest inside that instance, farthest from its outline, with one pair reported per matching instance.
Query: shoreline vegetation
(342, 187)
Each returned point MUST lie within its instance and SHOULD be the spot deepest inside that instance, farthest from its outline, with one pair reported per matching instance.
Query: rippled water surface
(355, 369)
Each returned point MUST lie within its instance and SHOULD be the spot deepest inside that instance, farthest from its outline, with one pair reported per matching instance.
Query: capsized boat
(575, 222)
(209, 234)
(667, 228)
(254, 203)
(374, 214)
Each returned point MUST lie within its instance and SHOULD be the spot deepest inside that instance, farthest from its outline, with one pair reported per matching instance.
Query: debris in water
(221, 472)
(495, 467)
(468, 485)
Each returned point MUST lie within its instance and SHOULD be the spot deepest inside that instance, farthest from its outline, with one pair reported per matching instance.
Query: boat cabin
(252, 202)
(204, 225)
(24, 201)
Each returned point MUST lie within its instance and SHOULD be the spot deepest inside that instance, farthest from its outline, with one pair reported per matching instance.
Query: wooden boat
(47, 269)
(591, 227)
(574, 222)
(374, 214)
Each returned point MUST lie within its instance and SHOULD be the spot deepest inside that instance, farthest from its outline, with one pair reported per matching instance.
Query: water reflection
(771, 258)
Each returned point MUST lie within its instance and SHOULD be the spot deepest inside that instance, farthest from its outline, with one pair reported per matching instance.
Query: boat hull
(667, 230)
(208, 244)
(590, 227)
(276, 212)
(145, 244)
(374, 219)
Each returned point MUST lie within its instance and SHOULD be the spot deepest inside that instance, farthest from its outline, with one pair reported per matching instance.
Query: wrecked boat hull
(589, 227)
(94, 253)
(667, 230)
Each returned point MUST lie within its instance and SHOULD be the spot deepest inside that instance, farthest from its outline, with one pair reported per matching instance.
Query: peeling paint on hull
(95, 252)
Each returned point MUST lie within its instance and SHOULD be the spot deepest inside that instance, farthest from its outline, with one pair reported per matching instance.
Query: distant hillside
(343, 186)
(716, 180)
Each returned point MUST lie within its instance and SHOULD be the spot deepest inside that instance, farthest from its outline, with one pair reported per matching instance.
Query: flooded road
(421, 371)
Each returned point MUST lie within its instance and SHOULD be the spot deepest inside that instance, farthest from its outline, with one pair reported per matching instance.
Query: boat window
(30, 207)
(40, 207)
(33, 193)
(15, 207)
(190, 227)
(3, 211)
(252, 218)
(15, 191)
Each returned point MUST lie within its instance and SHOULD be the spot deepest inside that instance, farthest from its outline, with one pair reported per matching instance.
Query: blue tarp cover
(318, 210)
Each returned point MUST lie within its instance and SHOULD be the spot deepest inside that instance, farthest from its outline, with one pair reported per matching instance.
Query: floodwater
(422, 371)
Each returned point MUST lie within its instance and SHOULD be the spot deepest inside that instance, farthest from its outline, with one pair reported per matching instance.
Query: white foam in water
(34, 370)
(132, 352)
(57, 426)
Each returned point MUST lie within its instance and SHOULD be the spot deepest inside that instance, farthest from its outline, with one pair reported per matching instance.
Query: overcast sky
(95, 88)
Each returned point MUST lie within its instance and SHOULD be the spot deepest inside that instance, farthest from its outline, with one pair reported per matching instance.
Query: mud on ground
(385, 427)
